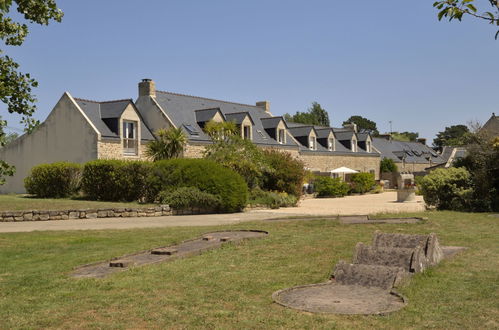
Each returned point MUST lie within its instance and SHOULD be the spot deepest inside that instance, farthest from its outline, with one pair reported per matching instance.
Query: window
(368, 146)
(330, 144)
(354, 145)
(130, 139)
(311, 143)
(281, 136)
(247, 132)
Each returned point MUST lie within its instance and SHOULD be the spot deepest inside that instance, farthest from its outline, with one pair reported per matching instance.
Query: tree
(456, 9)
(170, 143)
(405, 136)
(315, 115)
(387, 165)
(363, 124)
(232, 151)
(15, 87)
(455, 135)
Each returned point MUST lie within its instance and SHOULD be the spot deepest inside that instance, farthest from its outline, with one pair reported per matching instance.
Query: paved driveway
(366, 204)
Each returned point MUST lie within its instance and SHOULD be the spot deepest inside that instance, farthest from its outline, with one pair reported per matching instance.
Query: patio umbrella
(343, 170)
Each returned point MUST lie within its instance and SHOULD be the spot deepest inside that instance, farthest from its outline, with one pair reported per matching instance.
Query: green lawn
(23, 202)
(231, 287)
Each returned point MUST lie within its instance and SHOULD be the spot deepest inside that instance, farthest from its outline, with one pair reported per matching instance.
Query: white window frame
(130, 145)
(312, 143)
(368, 146)
(330, 144)
(354, 145)
(249, 135)
(281, 139)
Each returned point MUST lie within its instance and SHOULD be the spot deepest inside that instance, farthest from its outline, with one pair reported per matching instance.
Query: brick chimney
(351, 126)
(147, 88)
(265, 105)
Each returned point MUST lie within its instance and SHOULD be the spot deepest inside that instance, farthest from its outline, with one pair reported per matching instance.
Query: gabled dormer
(306, 135)
(275, 127)
(205, 115)
(365, 141)
(244, 123)
(326, 138)
(348, 139)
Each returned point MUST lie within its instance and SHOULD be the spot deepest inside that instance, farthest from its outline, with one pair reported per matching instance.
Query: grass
(231, 287)
(23, 202)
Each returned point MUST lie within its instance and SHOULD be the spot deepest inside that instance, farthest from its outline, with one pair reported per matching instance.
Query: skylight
(191, 129)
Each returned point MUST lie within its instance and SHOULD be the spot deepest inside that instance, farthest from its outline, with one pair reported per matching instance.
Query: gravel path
(366, 204)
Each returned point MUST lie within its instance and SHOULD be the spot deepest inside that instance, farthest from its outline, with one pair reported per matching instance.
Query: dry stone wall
(36, 215)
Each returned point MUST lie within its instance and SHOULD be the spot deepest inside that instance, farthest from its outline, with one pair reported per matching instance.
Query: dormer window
(368, 146)
(246, 132)
(330, 144)
(281, 135)
(130, 138)
(312, 143)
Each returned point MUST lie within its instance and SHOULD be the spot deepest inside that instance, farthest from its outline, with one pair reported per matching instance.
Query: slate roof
(300, 130)
(362, 136)
(413, 152)
(97, 112)
(181, 110)
(322, 132)
(238, 117)
(344, 135)
(205, 115)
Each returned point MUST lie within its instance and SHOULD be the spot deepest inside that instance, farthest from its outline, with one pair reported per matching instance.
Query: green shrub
(330, 187)
(448, 189)
(362, 182)
(387, 165)
(203, 174)
(377, 189)
(189, 198)
(115, 180)
(55, 180)
(272, 199)
(284, 173)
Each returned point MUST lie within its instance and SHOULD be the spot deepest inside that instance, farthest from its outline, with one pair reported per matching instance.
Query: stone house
(80, 130)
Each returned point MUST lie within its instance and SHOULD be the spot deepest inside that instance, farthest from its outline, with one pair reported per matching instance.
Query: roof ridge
(207, 98)
(93, 101)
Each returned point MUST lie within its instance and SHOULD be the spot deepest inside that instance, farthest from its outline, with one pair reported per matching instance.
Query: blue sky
(384, 60)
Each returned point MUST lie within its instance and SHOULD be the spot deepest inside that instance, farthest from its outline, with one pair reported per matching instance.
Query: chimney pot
(147, 88)
(265, 105)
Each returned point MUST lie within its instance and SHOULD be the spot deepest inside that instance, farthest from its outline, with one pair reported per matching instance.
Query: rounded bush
(448, 189)
(331, 187)
(203, 174)
(362, 182)
(115, 180)
(56, 180)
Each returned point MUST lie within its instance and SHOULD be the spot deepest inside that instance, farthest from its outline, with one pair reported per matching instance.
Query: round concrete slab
(333, 298)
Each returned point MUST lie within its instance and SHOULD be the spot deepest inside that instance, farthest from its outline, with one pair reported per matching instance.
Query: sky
(388, 60)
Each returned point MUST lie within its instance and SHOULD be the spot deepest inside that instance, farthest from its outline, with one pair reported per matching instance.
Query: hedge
(56, 180)
(362, 182)
(284, 173)
(115, 180)
(203, 174)
(190, 198)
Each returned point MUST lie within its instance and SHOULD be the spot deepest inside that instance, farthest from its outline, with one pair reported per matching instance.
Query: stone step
(410, 260)
(384, 277)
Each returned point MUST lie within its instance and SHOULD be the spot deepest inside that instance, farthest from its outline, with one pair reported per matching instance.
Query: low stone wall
(35, 215)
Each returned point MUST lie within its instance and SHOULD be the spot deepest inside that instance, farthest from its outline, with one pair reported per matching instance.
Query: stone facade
(194, 150)
(413, 167)
(113, 149)
(326, 163)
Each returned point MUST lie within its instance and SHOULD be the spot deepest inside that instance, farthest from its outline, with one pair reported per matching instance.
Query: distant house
(80, 130)
(413, 157)
(491, 127)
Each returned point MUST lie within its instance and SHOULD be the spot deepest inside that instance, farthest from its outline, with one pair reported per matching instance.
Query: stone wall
(413, 167)
(113, 149)
(326, 163)
(34, 215)
(194, 150)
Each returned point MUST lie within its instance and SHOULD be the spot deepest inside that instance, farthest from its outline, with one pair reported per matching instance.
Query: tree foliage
(315, 115)
(387, 165)
(454, 135)
(170, 143)
(405, 136)
(363, 124)
(456, 9)
(16, 87)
